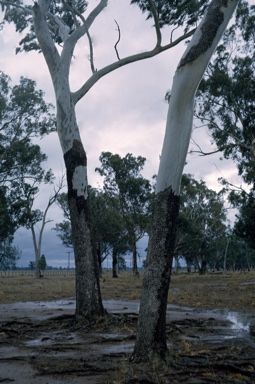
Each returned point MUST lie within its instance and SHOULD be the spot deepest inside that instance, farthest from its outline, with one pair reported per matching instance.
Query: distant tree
(63, 229)
(9, 255)
(32, 265)
(244, 201)
(43, 263)
(129, 193)
(34, 216)
(122, 266)
(24, 115)
(108, 233)
(202, 223)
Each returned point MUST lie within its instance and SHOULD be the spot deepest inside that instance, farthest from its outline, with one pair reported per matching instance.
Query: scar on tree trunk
(88, 295)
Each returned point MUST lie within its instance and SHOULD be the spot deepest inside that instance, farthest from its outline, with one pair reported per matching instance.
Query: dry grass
(233, 290)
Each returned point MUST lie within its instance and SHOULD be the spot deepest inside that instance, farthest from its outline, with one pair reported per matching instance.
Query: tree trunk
(202, 269)
(134, 257)
(225, 256)
(151, 334)
(37, 254)
(99, 258)
(88, 297)
(114, 263)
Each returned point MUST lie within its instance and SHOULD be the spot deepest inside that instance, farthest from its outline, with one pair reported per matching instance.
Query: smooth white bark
(181, 105)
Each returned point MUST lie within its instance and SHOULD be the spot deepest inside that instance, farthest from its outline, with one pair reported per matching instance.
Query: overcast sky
(125, 112)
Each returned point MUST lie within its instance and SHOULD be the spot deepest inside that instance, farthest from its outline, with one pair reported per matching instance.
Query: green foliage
(225, 99)
(129, 194)
(202, 220)
(64, 232)
(174, 12)
(226, 103)
(9, 254)
(43, 263)
(244, 226)
(20, 14)
(132, 192)
(32, 265)
(106, 225)
(23, 115)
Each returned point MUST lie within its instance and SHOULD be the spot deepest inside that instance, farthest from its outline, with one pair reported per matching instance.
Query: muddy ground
(41, 343)
(210, 328)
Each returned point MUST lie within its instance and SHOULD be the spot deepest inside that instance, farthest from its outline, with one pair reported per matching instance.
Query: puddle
(226, 325)
(54, 338)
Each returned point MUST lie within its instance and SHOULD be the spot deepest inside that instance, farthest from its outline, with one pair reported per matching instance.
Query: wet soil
(41, 343)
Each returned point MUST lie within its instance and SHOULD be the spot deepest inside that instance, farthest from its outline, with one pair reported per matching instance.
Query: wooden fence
(52, 272)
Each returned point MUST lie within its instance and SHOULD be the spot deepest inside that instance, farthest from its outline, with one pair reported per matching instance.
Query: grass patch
(233, 290)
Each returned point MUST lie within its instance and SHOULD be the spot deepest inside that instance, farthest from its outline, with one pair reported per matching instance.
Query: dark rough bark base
(151, 335)
(88, 296)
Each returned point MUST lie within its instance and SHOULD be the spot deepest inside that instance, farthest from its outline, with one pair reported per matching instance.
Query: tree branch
(68, 49)
(117, 42)
(25, 9)
(44, 38)
(156, 21)
(122, 62)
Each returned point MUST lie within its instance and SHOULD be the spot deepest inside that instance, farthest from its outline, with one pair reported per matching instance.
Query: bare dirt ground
(210, 328)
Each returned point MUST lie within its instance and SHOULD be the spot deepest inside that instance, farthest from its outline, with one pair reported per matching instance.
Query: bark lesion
(214, 18)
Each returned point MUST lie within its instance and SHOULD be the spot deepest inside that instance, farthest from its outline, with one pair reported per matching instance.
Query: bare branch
(80, 31)
(122, 62)
(234, 187)
(201, 152)
(115, 46)
(171, 37)
(156, 21)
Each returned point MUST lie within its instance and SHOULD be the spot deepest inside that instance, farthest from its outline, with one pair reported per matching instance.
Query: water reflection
(238, 321)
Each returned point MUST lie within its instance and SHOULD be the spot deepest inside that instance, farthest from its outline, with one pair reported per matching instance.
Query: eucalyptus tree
(226, 105)
(130, 195)
(244, 226)
(32, 217)
(9, 255)
(107, 228)
(55, 28)
(151, 334)
(225, 100)
(202, 223)
(24, 115)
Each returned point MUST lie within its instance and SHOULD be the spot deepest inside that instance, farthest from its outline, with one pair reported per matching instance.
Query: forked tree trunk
(151, 334)
(88, 297)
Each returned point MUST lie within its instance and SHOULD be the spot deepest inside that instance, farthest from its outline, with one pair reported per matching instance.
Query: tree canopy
(225, 100)
(24, 115)
(202, 223)
(129, 193)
